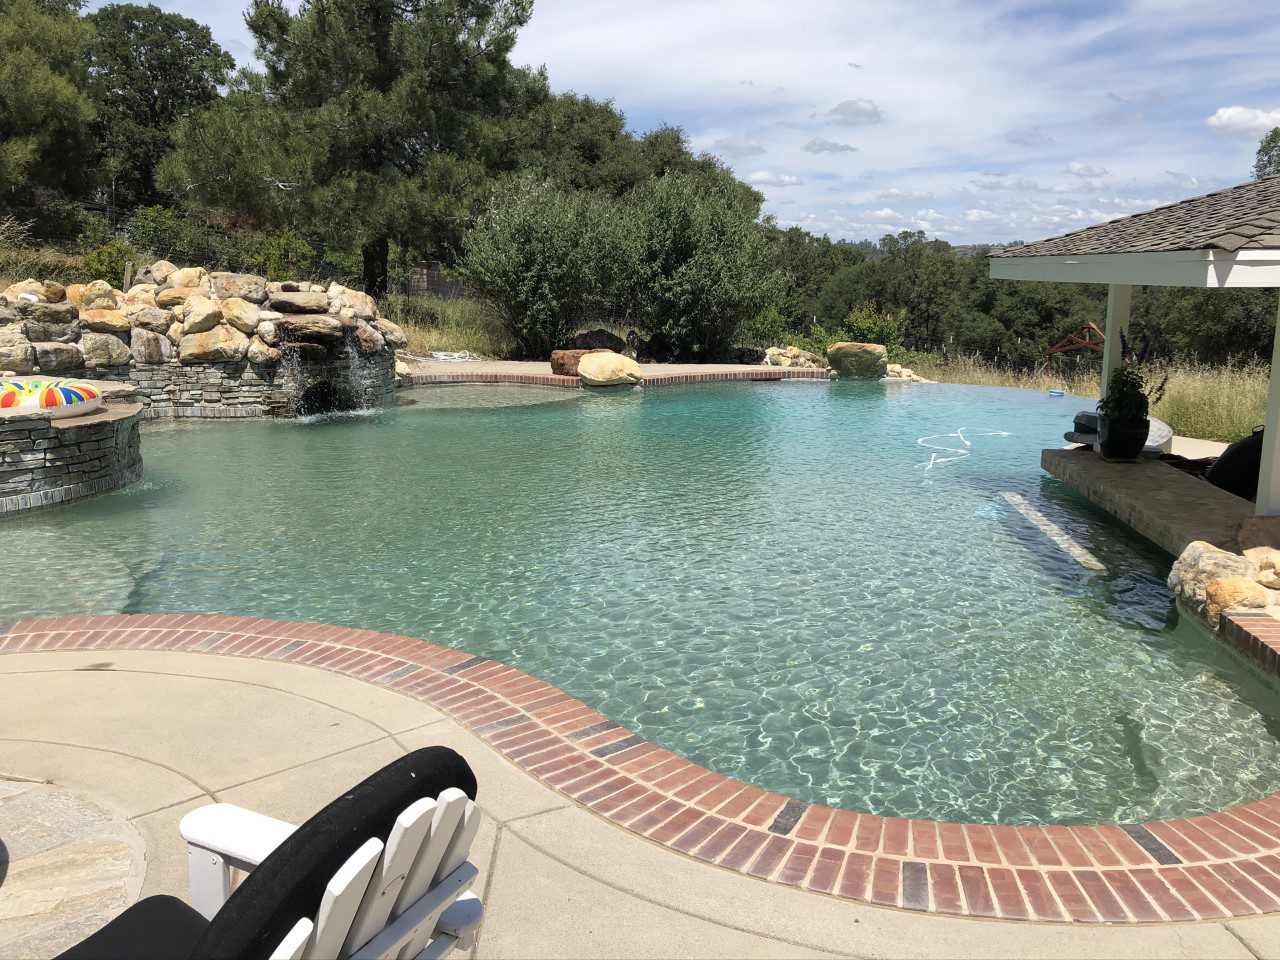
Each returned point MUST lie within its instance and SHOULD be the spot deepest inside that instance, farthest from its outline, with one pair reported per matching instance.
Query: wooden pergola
(1218, 241)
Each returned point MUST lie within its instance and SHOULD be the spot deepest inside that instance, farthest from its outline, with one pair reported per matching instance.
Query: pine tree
(367, 124)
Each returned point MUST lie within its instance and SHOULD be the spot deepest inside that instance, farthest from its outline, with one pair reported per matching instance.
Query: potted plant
(1122, 414)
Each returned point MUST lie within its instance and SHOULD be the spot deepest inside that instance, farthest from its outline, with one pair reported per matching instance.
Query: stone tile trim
(663, 380)
(74, 491)
(1200, 868)
(1256, 635)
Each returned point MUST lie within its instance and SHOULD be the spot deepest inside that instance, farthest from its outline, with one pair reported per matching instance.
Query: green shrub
(107, 262)
(699, 268)
(545, 259)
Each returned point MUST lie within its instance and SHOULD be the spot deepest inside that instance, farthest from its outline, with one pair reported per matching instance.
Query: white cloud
(738, 148)
(855, 113)
(993, 182)
(1248, 120)
(894, 195)
(823, 145)
(1078, 169)
(765, 178)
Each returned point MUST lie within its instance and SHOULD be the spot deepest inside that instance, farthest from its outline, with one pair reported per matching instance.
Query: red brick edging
(663, 380)
(1200, 868)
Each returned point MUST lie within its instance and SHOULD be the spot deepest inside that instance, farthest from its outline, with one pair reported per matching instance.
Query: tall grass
(435, 324)
(1206, 402)
(19, 259)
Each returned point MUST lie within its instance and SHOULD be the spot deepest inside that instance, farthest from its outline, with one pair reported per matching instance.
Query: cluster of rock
(1209, 580)
(183, 316)
(793, 357)
(847, 360)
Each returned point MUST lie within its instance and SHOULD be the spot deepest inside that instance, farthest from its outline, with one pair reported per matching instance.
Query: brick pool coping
(1209, 867)
(659, 380)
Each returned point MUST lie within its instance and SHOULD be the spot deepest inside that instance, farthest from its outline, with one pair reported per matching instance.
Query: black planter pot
(1122, 439)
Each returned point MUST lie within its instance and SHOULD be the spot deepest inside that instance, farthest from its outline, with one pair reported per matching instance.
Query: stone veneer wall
(43, 461)
(242, 389)
(194, 343)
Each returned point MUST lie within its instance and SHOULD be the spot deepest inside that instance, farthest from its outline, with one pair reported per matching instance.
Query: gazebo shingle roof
(1238, 218)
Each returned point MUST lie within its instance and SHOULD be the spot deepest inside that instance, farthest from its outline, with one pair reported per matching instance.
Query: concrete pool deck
(146, 717)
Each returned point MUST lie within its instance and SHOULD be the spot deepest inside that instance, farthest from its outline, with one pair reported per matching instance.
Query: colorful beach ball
(52, 398)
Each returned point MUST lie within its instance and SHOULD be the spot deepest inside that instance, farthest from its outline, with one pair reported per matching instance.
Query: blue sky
(976, 122)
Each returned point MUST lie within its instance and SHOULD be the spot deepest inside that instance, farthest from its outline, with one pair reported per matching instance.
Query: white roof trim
(1210, 269)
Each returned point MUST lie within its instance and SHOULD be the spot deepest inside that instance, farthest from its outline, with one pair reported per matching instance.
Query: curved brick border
(1210, 867)
(663, 380)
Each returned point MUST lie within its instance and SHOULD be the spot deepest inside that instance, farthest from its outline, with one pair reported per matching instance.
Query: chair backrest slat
(459, 847)
(342, 898)
(294, 945)
(455, 855)
(404, 844)
(450, 808)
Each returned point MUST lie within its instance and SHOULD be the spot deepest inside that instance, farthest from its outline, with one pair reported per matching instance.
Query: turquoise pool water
(763, 578)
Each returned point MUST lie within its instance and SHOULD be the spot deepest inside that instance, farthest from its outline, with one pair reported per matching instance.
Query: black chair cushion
(289, 884)
(157, 928)
(1236, 470)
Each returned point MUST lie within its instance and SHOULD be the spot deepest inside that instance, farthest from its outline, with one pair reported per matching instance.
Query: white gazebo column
(1269, 475)
(1119, 296)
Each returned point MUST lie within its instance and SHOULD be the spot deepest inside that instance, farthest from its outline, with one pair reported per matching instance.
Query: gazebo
(1229, 238)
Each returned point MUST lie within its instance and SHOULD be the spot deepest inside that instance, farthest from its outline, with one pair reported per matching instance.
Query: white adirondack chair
(406, 898)
(403, 898)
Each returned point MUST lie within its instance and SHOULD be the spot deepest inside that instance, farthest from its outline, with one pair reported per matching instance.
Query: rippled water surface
(763, 578)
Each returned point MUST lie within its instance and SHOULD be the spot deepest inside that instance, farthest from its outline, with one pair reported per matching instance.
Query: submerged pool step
(1069, 544)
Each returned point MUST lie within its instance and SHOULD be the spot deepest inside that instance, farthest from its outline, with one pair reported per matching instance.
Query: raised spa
(836, 591)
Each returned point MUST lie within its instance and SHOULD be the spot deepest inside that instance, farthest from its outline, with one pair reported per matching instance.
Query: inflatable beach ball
(52, 398)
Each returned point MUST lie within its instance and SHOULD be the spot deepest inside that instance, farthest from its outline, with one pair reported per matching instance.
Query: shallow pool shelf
(1165, 505)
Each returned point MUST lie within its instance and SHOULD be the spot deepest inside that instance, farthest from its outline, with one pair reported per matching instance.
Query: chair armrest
(242, 836)
(219, 837)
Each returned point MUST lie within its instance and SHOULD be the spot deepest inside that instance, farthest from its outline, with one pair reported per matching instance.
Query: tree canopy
(147, 69)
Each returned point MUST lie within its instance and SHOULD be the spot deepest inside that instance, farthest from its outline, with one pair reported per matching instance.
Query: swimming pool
(829, 590)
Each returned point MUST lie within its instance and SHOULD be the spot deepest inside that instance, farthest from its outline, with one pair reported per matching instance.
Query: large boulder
(139, 297)
(105, 350)
(240, 313)
(858, 361)
(16, 352)
(361, 305)
(1201, 564)
(262, 354)
(604, 368)
(369, 340)
(170, 297)
(222, 344)
(160, 271)
(300, 302)
(564, 363)
(392, 333)
(104, 321)
(62, 312)
(309, 326)
(598, 340)
(153, 318)
(96, 296)
(188, 277)
(267, 331)
(201, 314)
(18, 357)
(147, 346)
(1233, 593)
(244, 286)
(793, 357)
(58, 357)
(24, 289)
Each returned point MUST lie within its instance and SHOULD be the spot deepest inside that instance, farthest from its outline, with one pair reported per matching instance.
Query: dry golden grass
(20, 260)
(434, 324)
(1206, 402)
